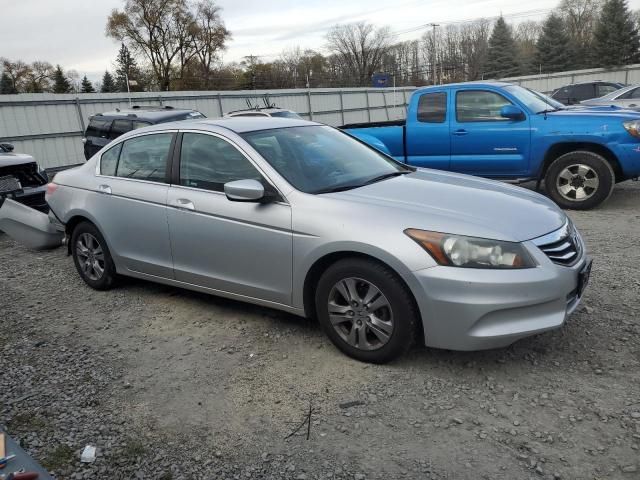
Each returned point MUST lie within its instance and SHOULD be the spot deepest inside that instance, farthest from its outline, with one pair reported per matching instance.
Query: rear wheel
(91, 257)
(366, 310)
(579, 180)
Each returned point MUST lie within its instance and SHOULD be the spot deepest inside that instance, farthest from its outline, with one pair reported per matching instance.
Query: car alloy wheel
(360, 313)
(577, 182)
(90, 256)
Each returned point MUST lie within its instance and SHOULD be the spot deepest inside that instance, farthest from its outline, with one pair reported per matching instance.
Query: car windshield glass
(320, 159)
(286, 114)
(534, 101)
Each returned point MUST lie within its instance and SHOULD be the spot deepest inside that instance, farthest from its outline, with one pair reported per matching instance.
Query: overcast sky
(71, 32)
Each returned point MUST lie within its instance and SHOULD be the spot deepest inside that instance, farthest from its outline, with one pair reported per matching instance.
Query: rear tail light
(51, 188)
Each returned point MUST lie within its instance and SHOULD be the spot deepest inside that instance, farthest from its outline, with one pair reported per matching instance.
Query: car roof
(592, 81)
(484, 83)
(234, 124)
(152, 114)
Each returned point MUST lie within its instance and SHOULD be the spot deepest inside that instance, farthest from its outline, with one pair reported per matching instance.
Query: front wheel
(366, 310)
(579, 180)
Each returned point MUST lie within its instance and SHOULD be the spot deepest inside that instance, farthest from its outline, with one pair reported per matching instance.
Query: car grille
(9, 184)
(563, 246)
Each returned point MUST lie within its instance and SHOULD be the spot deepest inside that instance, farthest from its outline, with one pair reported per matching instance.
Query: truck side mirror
(511, 112)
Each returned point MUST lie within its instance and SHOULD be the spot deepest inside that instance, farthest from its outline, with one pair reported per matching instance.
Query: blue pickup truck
(507, 132)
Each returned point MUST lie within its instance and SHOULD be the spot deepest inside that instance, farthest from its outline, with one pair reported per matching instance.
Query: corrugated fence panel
(50, 126)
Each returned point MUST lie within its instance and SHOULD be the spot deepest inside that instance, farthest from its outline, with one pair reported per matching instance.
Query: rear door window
(432, 107)
(119, 127)
(145, 157)
(606, 88)
(109, 160)
(98, 127)
(583, 92)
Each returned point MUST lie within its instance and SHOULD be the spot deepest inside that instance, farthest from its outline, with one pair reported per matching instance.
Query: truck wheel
(366, 310)
(579, 180)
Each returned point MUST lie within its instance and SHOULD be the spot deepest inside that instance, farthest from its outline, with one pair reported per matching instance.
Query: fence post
(80, 114)
(160, 101)
(386, 107)
(366, 92)
(309, 102)
(220, 104)
(342, 107)
(626, 76)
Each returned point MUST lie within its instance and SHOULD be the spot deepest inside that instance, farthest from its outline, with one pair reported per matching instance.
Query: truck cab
(507, 132)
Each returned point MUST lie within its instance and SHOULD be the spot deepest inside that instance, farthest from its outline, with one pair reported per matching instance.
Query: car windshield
(534, 101)
(286, 114)
(321, 159)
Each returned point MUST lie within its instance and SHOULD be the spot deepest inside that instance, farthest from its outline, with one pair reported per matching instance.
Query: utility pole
(433, 53)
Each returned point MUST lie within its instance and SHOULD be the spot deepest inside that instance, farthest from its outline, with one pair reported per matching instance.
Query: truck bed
(388, 137)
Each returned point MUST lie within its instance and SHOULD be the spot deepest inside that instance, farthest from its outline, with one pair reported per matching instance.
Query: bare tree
(360, 46)
(211, 37)
(580, 17)
(17, 71)
(526, 35)
(166, 32)
(38, 79)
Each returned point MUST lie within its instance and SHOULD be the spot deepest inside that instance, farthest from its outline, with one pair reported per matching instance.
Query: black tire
(399, 305)
(600, 169)
(106, 279)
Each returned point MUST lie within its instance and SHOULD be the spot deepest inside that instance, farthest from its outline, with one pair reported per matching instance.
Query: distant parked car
(104, 127)
(627, 97)
(21, 179)
(263, 112)
(577, 92)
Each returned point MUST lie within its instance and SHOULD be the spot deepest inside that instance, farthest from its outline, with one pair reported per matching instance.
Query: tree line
(177, 45)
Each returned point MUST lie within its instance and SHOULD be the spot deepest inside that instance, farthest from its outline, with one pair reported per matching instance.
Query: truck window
(432, 107)
(479, 106)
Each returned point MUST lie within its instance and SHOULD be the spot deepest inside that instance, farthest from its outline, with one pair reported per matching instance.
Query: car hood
(460, 204)
(11, 159)
(594, 111)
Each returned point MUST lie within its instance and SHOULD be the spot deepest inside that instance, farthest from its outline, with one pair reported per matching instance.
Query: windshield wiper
(351, 186)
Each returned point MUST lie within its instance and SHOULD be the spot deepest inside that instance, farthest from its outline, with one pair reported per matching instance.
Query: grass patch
(58, 458)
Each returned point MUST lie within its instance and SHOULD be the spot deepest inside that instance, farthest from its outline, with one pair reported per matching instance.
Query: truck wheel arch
(559, 149)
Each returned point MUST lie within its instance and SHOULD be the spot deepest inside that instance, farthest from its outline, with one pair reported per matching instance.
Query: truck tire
(366, 310)
(579, 180)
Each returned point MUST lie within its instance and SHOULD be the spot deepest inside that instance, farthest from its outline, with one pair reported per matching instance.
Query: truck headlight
(633, 127)
(471, 252)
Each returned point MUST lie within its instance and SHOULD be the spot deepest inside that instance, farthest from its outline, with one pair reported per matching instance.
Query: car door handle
(460, 132)
(106, 189)
(183, 204)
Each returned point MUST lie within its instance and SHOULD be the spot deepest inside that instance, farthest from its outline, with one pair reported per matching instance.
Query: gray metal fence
(50, 126)
(547, 82)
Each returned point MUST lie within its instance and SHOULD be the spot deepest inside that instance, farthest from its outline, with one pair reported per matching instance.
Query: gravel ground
(171, 384)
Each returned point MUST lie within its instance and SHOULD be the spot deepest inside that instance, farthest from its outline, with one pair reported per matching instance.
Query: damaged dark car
(21, 179)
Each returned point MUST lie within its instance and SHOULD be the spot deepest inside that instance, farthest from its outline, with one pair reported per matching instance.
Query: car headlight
(633, 127)
(471, 252)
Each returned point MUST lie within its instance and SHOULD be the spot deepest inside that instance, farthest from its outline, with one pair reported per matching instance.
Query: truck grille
(562, 246)
(9, 184)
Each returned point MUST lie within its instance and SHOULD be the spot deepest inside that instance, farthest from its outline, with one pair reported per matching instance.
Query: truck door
(482, 141)
(427, 142)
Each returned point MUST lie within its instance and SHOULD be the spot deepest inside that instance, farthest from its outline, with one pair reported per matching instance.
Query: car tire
(579, 180)
(91, 257)
(382, 326)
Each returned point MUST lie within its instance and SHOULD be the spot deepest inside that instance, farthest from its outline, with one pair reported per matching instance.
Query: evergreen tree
(86, 86)
(6, 85)
(502, 58)
(61, 83)
(553, 53)
(108, 84)
(616, 40)
(126, 67)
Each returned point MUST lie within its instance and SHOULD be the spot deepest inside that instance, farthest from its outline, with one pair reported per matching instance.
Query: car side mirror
(511, 112)
(248, 190)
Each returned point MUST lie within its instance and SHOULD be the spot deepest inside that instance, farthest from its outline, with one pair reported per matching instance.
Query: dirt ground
(173, 384)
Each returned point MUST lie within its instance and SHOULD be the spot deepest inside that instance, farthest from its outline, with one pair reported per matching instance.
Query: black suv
(577, 92)
(104, 127)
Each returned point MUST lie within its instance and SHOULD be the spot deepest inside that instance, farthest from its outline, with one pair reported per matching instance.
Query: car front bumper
(33, 197)
(477, 309)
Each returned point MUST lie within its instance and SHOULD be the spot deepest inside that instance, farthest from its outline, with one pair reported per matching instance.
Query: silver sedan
(301, 217)
(627, 97)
